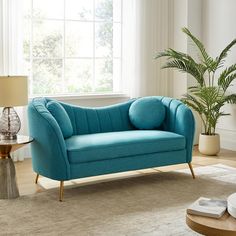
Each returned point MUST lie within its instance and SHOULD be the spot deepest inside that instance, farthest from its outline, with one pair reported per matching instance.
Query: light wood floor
(26, 176)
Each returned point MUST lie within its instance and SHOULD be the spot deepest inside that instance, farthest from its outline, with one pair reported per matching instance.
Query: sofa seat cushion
(103, 146)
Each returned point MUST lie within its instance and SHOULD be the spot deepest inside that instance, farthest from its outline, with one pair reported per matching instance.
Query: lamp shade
(13, 91)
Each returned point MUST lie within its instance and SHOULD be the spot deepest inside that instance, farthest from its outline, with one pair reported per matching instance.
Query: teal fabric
(48, 150)
(147, 113)
(179, 119)
(62, 118)
(102, 167)
(87, 120)
(51, 158)
(102, 146)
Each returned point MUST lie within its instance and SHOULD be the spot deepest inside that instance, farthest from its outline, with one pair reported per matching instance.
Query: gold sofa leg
(61, 191)
(191, 169)
(36, 179)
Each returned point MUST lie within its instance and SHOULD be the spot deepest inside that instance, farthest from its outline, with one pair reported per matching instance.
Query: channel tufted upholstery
(99, 120)
(104, 141)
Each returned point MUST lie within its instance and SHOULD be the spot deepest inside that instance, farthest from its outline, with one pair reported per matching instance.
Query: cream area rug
(146, 205)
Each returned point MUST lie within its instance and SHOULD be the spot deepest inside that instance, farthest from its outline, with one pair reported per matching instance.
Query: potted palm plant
(210, 94)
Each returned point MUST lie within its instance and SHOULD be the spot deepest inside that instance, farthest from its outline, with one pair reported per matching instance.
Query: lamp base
(9, 124)
(8, 137)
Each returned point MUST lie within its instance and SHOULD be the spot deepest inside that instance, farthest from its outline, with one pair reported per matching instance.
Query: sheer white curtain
(145, 32)
(11, 62)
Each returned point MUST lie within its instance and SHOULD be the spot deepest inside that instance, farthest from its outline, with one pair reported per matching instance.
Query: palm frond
(225, 51)
(184, 63)
(213, 119)
(194, 103)
(216, 108)
(193, 88)
(162, 54)
(187, 67)
(207, 60)
(225, 82)
(230, 99)
(223, 78)
(197, 43)
(208, 95)
(171, 53)
(228, 71)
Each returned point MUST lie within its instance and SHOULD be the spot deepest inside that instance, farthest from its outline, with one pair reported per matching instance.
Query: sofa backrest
(171, 106)
(115, 117)
(86, 120)
(99, 120)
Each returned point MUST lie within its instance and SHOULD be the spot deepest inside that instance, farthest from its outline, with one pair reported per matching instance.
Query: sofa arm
(180, 120)
(185, 125)
(49, 156)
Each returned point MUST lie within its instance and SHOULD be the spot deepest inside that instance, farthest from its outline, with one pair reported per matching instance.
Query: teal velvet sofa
(82, 141)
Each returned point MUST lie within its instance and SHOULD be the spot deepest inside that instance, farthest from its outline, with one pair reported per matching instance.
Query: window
(73, 46)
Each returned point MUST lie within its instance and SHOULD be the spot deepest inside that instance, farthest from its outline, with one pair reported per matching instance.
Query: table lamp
(13, 92)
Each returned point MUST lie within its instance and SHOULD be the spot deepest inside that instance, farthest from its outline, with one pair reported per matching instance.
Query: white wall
(178, 41)
(195, 26)
(184, 13)
(218, 30)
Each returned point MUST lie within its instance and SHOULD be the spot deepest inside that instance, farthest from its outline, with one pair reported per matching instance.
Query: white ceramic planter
(209, 144)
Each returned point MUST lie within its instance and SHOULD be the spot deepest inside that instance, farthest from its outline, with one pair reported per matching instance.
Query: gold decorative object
(37, 178)
(61, 191)
(191, 169)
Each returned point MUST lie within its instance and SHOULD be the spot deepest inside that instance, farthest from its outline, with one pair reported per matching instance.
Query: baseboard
(227, 139)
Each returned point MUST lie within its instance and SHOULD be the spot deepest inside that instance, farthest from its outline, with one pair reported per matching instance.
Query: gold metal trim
(61, 191)
(191, 169)
(36, 179)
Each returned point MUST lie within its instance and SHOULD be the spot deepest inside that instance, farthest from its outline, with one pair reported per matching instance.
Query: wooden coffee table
(225, 226)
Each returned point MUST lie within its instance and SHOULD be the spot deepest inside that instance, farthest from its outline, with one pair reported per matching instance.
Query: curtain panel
(145, 32)
(11, 55)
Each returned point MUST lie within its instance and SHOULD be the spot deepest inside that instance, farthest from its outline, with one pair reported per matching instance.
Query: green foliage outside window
(48, 61)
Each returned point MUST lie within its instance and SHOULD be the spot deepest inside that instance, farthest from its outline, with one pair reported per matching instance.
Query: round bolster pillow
(147, 113)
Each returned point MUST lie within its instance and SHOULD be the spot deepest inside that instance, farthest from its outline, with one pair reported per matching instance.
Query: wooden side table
(8, 183)
(225, 226)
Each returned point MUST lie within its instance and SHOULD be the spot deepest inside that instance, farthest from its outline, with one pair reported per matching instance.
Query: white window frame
(70, 96)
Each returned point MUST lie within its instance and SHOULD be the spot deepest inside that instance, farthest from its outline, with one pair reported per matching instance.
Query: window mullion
(63, 57)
